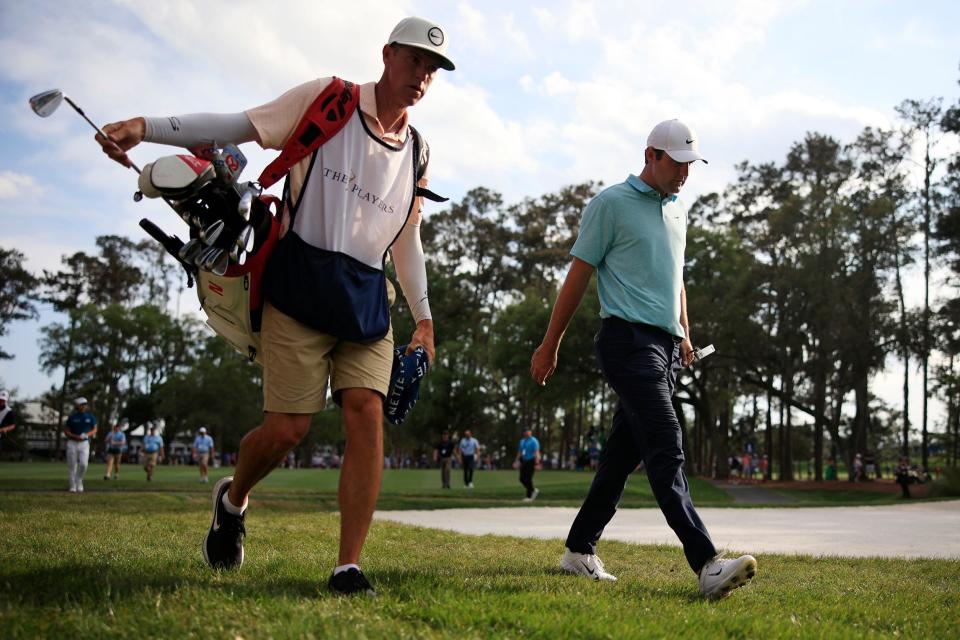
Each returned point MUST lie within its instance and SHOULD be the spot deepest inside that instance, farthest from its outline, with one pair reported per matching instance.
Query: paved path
(919, 530)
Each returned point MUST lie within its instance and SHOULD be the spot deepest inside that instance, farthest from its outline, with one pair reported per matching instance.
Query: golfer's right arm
(544, 360)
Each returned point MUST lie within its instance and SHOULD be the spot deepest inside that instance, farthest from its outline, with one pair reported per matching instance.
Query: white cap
(677, 139)
(79, 401)
(422, 34)
(4, 395)
(203, 429)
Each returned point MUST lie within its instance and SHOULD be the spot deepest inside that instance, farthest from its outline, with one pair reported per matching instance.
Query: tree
(16, 292)
(923, 118)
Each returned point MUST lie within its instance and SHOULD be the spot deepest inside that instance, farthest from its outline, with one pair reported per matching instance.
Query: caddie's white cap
(677, 139)
(80, 400)
(203, 429)
(4, 395)
(422, 34)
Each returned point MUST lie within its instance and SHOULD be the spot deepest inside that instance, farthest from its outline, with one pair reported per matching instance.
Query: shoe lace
(598, 562)
(234, 525)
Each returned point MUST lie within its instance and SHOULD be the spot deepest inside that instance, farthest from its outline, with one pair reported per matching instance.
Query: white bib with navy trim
(357, 195)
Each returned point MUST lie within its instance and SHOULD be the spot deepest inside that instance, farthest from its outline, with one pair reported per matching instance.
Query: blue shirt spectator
(203, 443)
(152, 443)
(469, 446)
(529, 447)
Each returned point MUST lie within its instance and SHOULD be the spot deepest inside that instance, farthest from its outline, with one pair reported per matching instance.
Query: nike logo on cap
(689, 141)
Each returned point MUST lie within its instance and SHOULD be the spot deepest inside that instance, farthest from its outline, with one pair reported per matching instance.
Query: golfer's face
(669, 174)
(410, 72)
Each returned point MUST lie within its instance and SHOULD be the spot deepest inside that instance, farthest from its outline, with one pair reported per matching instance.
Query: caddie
(326, 317)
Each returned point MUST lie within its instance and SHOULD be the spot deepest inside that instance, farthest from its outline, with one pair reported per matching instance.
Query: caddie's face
(668, 174)
(409, 71)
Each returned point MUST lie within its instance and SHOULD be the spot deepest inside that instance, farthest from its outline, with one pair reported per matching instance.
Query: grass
(128, 564)
(401, 489)
(414, 489)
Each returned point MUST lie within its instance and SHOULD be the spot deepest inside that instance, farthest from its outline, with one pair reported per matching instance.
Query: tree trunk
(819, 407)
(786, 436)
(768, 438)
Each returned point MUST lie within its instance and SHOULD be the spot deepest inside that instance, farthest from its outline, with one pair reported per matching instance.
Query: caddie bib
(327, 271)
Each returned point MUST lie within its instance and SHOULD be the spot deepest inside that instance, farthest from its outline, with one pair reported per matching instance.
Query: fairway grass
(415, 488)
(118, 564)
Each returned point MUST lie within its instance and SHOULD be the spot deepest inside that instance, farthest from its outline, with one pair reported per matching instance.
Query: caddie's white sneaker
(720, 576)
(585, 564)
(534, 495)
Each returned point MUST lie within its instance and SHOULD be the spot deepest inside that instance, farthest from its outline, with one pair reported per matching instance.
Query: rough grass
(112, 564)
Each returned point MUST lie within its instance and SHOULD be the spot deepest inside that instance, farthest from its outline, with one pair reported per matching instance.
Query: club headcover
(408, 371)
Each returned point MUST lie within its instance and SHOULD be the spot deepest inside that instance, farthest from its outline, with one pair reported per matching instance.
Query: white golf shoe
(720, 576)
(585, 564)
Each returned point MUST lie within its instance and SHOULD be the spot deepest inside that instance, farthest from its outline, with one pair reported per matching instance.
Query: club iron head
(188, 252)
(245, 239)
(246, 204)
(219, 266)
(212, 232)
(206, 256)
(213, 255)
(43, 104)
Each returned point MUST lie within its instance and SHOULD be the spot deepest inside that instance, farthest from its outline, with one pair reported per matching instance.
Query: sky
(545, 94)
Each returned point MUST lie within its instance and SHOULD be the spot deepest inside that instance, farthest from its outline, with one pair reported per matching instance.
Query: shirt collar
(644, 188)
(368, 105)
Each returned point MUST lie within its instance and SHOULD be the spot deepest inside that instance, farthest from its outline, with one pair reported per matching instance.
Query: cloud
(18, 186)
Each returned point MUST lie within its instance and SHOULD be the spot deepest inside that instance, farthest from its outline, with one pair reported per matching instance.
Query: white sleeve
(198, 128)
(411, 269)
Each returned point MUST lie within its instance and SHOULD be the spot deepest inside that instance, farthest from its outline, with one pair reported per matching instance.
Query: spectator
(467, 456)
(904, 477)
(201, 451)
(153, 452)
(8, 418)
(116, 443)
(443, 454)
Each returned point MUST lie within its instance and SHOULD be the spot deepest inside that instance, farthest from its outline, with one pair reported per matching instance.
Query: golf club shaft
(98, 129)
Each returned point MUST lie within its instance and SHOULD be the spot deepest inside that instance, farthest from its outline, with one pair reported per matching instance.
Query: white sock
(237, 511)
(345, 567)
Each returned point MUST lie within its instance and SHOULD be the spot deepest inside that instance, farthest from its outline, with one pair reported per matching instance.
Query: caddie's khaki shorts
(151, 458)
(299, 361)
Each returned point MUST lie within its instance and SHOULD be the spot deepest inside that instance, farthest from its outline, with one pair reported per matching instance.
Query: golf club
(46, 102)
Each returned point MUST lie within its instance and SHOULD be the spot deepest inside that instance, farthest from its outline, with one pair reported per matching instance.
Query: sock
(345, 567)
(237, 511)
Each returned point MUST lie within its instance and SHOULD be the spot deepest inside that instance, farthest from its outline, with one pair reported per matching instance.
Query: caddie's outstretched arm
(181, 131)
(544, 360)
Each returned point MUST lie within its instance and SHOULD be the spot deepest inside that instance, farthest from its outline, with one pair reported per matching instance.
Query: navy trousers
(641, 362)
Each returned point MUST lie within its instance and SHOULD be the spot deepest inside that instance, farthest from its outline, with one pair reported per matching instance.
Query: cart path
(917, 530)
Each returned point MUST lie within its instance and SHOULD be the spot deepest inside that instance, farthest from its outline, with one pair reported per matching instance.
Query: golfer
(633, 235)
(81, 427)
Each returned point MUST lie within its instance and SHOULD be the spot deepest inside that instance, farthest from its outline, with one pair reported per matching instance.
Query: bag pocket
(329, 291)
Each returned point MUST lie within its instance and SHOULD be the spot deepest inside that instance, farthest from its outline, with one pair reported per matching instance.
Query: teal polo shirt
(636, 241)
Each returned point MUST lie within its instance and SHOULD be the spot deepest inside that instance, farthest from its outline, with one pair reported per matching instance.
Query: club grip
(171, 243)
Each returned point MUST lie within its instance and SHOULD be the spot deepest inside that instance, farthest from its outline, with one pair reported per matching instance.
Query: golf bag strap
(324, 119)
(422, 157)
